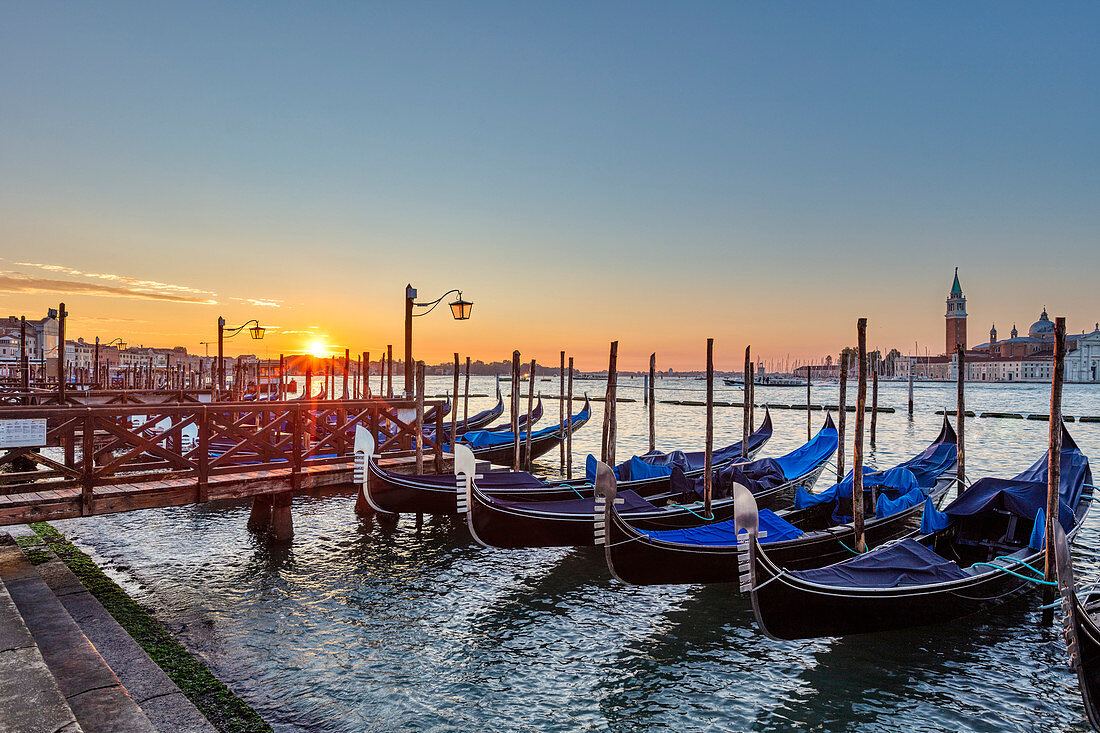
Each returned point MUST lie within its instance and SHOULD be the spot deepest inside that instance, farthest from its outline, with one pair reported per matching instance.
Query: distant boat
(767, 382)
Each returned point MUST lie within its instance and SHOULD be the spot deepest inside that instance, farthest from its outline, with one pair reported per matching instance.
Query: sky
(656, 173)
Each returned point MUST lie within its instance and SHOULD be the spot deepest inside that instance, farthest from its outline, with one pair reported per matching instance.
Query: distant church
(1019, 358)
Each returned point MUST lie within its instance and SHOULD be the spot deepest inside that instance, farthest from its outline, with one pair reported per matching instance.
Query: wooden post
(389, 371)
(561, 411)
(358, 378)
(708, 448)
(747, 385)
(912, 368)
(652, 402)
(960, 417)
(609, 405)
(1054, 472)
(454, 409)
(842, 417)
(24, 361)
(857, 447)
(365, 394)
(874, 405)
(527, 429)
(752, 396)
(466, 394)
(282, 526)
(62, 314)
(419, 433)
(569, 424)
(809, 418)
(514, 404)
(347, 366)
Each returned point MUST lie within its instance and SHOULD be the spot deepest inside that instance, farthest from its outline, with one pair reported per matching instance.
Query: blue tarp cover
(690, 461)
(898, 480)
(904, 563)
(486, 438)
(723, 533)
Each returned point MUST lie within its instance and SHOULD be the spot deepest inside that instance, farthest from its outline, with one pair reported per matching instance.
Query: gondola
(536, 415)
(392, 492)
(474, 422)
(978, 553)
(1079, 622)
(498, 522)
(816, 531)
(498, 447)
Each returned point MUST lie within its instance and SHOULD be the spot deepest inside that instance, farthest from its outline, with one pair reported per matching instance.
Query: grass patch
(221, 707)
(34, 549)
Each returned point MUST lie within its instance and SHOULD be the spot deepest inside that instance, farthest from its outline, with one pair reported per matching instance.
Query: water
(355, 627)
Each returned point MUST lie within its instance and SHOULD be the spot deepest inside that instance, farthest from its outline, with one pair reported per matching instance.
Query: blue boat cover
(897, 480)
(773, 527)
(1025, 494)
(903, 563)
(687, 461)
(632, 502)
(487, 438)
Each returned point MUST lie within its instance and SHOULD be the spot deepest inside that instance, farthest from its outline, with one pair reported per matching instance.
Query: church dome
(1042, 328)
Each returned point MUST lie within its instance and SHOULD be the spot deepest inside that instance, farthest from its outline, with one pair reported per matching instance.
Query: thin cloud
(17, 282)
(261, 302)
(132, 283)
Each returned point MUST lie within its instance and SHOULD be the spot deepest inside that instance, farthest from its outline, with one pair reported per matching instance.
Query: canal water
(358, 627)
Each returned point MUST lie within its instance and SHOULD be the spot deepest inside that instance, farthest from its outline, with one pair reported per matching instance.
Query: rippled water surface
(358, 627)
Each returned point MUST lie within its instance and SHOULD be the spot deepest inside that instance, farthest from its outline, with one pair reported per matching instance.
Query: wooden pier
(114, 458)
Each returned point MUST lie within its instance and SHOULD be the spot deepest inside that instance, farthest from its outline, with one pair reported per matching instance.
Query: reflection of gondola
(1081, 630)
(811, 534)
(977, 553)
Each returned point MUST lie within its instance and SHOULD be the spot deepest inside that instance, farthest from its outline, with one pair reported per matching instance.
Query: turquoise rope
(575, 490)
(849, 549)
(1017, 575)
(705, 519)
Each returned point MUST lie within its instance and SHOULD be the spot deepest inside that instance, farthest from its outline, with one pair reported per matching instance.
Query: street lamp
(113, 342)
(460, 309)
(256, 332)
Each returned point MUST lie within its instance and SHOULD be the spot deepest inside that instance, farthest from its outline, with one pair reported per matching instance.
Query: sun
(317, 348)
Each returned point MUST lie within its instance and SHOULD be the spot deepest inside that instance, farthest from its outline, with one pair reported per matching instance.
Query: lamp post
(460, 309)
(95, 369)
(256, 332)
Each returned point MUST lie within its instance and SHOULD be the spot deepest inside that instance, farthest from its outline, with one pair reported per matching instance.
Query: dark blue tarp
(486, 438)
(773, 527)
(897, 480)
(904, 563)
(764, 473)
(632, 502)
(689, 461)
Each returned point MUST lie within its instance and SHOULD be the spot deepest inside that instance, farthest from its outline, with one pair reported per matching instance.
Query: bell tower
(956, 317)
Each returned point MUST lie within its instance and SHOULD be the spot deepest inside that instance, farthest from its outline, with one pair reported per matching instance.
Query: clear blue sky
(657, 173)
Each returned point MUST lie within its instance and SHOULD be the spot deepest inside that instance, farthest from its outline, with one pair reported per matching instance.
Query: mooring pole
(24, 361)
(561, 411)
(569, 424)
(419, 391)
(347, 370)
(746, 384)
(527, 425)
(874, 405)
(1054, 471)
(842, 416)
(652, 402)
(454, 410)
(752, 397)
(389, 371)
(912, 368)
(809, 419)
(857, 447)
(466, 394)
(515, 410)
(609, 405)
(708, 448)
(960, 417)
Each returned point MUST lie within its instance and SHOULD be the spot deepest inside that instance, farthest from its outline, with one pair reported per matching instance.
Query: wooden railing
(109, 445)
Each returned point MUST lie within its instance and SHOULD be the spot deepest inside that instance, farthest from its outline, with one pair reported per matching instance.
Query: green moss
(221, 707)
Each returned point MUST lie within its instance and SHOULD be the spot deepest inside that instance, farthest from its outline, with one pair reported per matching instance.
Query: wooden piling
(1054, 470)
(746, 383)
(259, 519)
(347, 370)
(708, 448)
(912, 368)
(419, 432)
(466, 393)
(561, 411)
(809, 406)
(282, 526)
(652, 391)
(842, 417)
(609, 405)
(366, 376)
(960, 417)
(569, 424)
(857, 446)
(874, 405)
(454, 409)
(389, 371)
(514, 404)
(527, 430)
(752, 396)
(62, 314)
